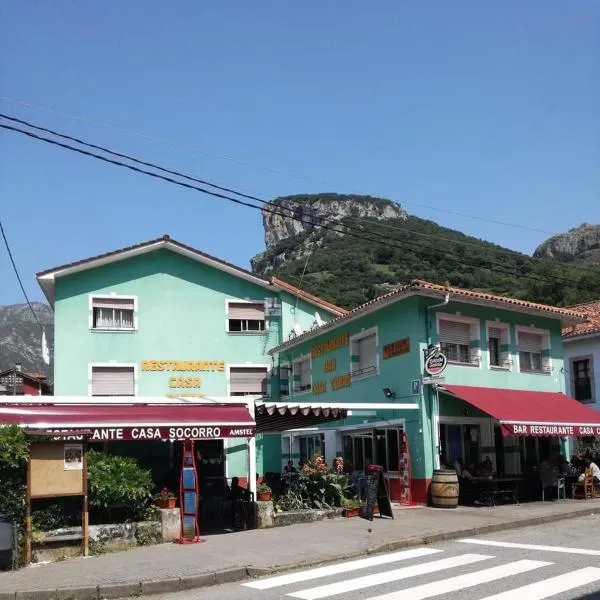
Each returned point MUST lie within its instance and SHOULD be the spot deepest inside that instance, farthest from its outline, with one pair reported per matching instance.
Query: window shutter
(367, 351)
(248, 380)
(455, 332)
(246, 311)
(495, 332)
(304, 368)
(530, 342)
(126, 303)
(113, 381)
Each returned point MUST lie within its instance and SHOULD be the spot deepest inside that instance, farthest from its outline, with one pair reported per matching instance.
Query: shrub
(117, 480)
(14, 450)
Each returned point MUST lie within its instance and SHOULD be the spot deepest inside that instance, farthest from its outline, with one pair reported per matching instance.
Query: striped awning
(282, 417)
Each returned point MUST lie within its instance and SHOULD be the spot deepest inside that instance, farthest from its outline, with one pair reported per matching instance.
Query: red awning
(133, 422)
(275, 418)
(531, 413)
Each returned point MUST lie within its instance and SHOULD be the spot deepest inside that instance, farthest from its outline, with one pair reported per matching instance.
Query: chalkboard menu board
(374, 493)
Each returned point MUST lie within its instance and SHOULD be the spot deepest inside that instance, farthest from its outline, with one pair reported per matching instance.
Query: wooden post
(85, 512)
(28, 514)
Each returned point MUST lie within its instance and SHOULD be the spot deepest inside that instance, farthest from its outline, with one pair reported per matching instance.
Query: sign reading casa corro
(183, 432)
(536, 429)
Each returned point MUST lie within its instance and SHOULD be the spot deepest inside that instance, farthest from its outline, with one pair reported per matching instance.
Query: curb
(116, 591)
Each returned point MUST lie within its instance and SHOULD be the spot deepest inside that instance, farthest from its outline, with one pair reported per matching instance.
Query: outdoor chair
(584, 489)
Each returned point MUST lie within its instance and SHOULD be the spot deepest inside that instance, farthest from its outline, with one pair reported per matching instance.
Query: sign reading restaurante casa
(183, 365)
(552, 430)
(184, 432)
(332, 345)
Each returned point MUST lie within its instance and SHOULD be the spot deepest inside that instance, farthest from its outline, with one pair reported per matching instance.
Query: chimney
(18, 367)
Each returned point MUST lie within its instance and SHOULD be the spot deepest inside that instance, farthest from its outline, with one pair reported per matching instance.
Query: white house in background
(582, 356)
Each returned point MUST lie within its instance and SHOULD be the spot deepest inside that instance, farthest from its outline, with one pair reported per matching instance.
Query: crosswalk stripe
(347, 567)
(453, 584)
(360, 583)
(563, 549)
(551, 587)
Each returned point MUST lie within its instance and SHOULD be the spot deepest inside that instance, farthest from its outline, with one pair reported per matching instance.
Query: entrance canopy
(273, 417)
(114, 422)
(521, 412)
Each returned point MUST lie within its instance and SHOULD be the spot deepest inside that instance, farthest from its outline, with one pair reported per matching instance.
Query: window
(302, 379)
(363, 349)
(371, 446)
(456, 341)
(246, 317)
(248, 381)
(499, 346)
(113, 313)
(311, 446)
(582, 380)
(531, 352)
(113, 381)
(284, 380)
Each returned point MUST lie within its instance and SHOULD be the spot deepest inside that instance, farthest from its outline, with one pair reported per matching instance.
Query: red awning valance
(277, 417)
(523, 412)
(107, 422)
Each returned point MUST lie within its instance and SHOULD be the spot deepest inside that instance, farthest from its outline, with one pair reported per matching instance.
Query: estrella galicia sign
(435, 362)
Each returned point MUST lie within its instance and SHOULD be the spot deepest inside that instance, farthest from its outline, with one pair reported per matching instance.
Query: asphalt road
(559, 561)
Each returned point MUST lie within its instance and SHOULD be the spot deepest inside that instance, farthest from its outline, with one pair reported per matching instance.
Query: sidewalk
(234, 556)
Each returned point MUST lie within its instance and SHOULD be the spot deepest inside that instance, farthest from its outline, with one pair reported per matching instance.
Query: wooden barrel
(444, 489)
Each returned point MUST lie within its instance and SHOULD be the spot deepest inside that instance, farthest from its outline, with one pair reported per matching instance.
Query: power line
(403, 230)
(12, 260)
(346, 230)
(263, 167)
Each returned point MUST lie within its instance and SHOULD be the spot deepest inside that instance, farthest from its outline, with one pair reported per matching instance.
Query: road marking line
(360, 583)
(532, 547)
(363, 563)
(453, 584)
(551, 587)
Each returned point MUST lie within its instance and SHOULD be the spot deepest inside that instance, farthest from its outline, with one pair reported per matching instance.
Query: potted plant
(165, 499)
(263, 492)
(351, 507)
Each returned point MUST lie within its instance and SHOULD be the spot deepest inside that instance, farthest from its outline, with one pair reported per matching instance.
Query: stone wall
(266, 517)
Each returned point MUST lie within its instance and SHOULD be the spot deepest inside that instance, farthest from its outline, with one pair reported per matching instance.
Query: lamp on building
(389, 394)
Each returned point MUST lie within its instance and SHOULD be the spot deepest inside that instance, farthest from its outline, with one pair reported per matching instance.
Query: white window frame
(357, 337)
(293, 382)
(505, 327)
(109, 297)
(473, 322)
(113, 363)
(547, 368)
(288, 366)
(248, 365)
(261, 301)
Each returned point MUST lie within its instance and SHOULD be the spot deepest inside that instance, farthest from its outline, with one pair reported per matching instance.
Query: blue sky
(489, 109)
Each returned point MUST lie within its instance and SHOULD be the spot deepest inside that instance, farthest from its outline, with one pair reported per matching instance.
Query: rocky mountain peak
(580, 244)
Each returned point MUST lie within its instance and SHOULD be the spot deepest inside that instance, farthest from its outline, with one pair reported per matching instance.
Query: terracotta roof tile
(424, 286)
(294, 290)
(591, 310)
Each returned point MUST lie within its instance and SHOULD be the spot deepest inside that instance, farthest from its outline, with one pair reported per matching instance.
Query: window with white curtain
(363, 350)
(302, 378)
(455, 337)
(113, 313)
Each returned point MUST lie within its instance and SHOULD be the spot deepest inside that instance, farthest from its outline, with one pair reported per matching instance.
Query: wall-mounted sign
(320, 387)
(186, 395)
(185, 432)
(396, 348)
(184, 382)
(415, 386)
(73, 460)
(330, 345)
(183, 365)
(435, 362)
(341, 381)
(330, 365)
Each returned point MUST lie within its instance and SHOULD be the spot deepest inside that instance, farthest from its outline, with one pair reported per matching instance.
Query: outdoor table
(495, 486)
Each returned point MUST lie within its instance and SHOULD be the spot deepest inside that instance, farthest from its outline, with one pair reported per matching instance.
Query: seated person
(237, 491)
(289, 468)
(487, 466)
(467, 473)
(593, 467)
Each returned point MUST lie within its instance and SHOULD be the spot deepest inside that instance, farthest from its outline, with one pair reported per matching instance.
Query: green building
(495, 386)
(163, 321)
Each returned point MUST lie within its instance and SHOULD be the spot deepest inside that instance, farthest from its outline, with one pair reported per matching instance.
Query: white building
(582, 356)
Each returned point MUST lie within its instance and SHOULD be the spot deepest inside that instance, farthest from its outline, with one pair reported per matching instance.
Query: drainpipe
(433, 395)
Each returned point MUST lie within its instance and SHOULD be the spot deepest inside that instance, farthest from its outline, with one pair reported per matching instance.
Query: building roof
(35, 377)
(424, 288)
(592, 324)
(47, 278)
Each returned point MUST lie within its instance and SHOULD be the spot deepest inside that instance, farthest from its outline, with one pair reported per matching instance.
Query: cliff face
(301, 218)
(581, 244)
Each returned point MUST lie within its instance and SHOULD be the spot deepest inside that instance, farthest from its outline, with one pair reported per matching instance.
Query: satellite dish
(318, 321)
(297, 329)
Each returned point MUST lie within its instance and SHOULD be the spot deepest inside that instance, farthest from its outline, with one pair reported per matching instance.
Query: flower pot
(264, 496)
(351, 512)
(166, 503)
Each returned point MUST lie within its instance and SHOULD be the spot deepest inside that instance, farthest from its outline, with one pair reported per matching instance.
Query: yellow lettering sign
(184, 382)
(319, 387)
(330, 365)
(341, 381)
(330, 345)
(183, 365)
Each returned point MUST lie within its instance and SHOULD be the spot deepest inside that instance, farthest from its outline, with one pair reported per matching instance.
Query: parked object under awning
(278, 417)
(138, 422)
(523, 412)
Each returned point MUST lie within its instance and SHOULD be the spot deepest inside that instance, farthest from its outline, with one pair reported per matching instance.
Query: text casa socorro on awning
(522, 412)
(101, 422)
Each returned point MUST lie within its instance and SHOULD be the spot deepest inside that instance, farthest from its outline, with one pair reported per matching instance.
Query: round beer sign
(435, 363)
